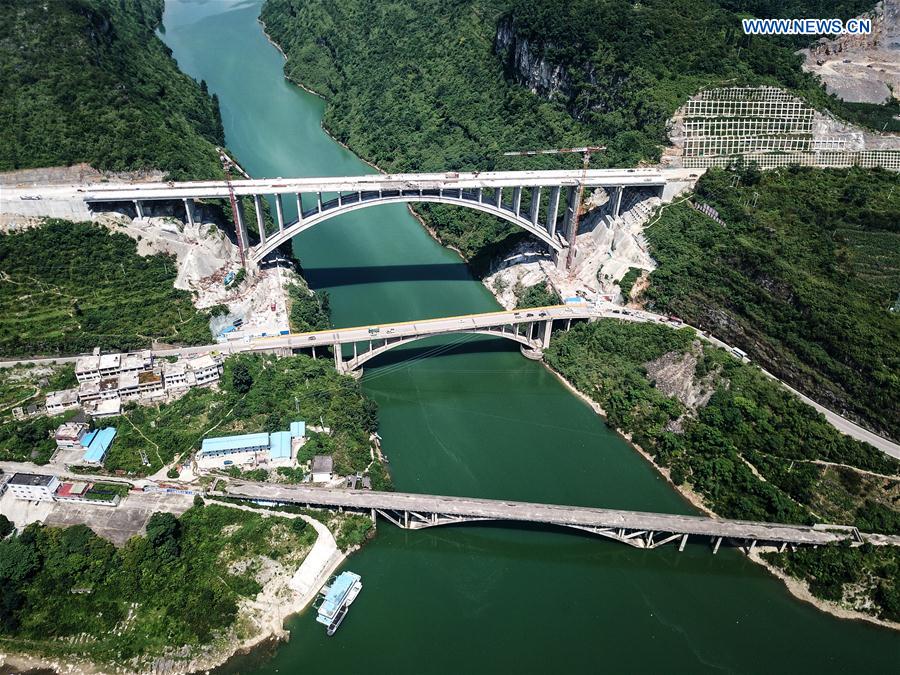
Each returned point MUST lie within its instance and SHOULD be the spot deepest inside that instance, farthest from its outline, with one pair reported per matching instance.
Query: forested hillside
(426, 84)
(802, 276)
(88, 81)
(749, 448)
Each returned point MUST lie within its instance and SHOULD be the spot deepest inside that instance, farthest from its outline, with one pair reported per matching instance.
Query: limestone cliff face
(526, 63)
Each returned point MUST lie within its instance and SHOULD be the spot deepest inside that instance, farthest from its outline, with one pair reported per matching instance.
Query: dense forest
(802, 276)
(181, 584)
(751, 451)
(424, 85)
(93, 291)
(89, 81)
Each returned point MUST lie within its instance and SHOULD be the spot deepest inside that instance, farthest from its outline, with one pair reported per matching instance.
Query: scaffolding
(769, 126)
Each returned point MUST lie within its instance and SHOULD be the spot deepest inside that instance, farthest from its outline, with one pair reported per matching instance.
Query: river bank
(682, 490)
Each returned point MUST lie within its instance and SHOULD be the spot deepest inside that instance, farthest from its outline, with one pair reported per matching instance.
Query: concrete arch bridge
(540, 202)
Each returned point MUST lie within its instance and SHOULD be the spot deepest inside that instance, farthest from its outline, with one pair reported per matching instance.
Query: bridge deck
(424, 181)
(571, 516)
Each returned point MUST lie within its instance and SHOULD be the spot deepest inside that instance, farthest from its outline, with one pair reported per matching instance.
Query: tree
(6, 526)
(241, 379)
(163, 532)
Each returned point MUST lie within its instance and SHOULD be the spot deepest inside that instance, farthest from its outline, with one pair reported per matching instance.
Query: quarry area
(861, 68)
(607, 246)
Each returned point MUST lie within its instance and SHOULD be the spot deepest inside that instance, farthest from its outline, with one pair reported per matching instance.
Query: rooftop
(280, 445)
(128, 380)
(337, 592)
(322, 464)
(110, 361)
(70, 431)
(33, 479)
(62, 397)
(98, 444)
(225, 443)
(298, 429)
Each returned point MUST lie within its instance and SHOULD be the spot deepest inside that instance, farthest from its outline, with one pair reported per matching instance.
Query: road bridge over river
(529, 327)
(540, 202)
(635, 528)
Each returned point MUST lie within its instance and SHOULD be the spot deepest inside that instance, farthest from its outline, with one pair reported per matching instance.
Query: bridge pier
(531, 353)
(618, 208)
(189, 210)
(138, 208)
(260, 224)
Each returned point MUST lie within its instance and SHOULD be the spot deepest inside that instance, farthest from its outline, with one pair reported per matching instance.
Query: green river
(472, 417)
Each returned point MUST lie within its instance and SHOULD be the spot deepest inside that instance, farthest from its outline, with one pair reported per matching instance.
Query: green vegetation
(308, 310)
(6, 526)
(853, 577)
(753, 451)
(179, 585)
(354, 530)
(106, 492)
(29, 440)
(749, 421)
(539, 295)
(94, 290)
(626, 283)
(419, 85)
(25, 384)
(89, 81)
(801, 277)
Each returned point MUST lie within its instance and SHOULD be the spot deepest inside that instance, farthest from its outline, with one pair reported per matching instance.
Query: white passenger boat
(337, 596)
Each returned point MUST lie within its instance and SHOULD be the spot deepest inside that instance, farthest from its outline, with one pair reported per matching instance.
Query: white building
(252, 450)
(68, 436)
(174, 376)
(205, 370)
(60, 401)
(33, 487)
(106, 408)
(97, 365)
(322, 468)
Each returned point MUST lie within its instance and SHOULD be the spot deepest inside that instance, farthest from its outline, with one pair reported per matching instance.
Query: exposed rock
(674, 374)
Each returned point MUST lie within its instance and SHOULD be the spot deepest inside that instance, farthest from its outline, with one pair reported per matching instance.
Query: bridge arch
(357, 201)
(531, 344)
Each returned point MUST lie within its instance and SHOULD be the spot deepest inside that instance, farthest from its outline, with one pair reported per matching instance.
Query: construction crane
(585, 153)
(227, 164)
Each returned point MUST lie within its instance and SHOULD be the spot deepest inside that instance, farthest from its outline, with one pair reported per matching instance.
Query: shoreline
(795, 587)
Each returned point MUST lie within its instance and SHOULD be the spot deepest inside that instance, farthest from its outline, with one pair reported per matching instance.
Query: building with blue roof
(259, 449)
(96, 444)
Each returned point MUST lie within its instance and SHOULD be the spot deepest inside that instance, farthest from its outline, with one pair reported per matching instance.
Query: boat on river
(336, 597)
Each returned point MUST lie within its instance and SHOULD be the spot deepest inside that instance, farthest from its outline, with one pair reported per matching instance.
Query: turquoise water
(472, 417)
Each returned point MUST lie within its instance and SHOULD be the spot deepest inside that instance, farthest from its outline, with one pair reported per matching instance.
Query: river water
(473, 417)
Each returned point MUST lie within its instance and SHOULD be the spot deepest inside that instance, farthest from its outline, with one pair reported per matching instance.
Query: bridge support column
(498, 197)
(569, 220)
(279, 212)
(338, 359)
(189, 210)
(319, 201)
(548, 328)
(716, 545)
(260, 223)
(535, 204)
(553, 211)
(618, 208)
(138, 209)
(517, 200)
(241, 232)
(684, 539)
(299, 207)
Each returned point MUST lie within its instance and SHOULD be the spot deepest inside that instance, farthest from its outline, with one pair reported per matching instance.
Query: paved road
(572, 516)
(100, 192)
(474, 321)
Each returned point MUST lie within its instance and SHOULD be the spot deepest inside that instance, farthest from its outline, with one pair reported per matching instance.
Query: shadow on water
(331, 277)
(454, 344)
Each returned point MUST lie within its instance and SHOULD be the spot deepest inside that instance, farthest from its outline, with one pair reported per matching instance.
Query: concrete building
(322, 468)
(205, 370)
(127, 385)
(150, 384)
(69, 435)
(71, 492)
(100, 409)
(33, 487)
(60, 401)
(96, 445)
(97, 365)
(174, 376)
